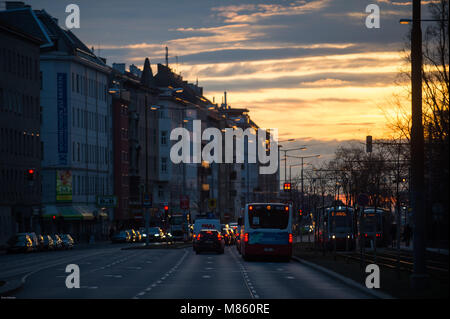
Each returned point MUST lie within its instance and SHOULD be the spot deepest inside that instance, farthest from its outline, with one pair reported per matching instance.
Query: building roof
(41, 25)
(17, 32)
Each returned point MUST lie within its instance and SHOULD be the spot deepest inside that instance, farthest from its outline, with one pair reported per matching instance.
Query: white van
(206, 224)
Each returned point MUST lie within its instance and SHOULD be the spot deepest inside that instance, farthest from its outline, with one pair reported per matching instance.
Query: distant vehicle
(226, 233)
(57, 242)
(238, 238)
(338, 228)
(376, 226)
(155, 234)
(179, 226)
(67, 241)
(121, 237)
(20, 243)
(205, 223)
(266, 230)
(47, 243)
(209, 240)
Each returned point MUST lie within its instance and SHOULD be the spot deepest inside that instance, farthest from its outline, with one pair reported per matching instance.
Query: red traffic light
(31, 171)
(54, 217)
(300, 212)
(166, 208)
(287, 186)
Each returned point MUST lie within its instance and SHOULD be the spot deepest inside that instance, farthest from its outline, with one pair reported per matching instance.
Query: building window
(163, 164)
(160, 192)
(163, 137)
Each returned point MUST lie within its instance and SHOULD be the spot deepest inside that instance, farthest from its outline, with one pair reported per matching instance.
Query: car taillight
(193, 236)
(246, 238)
(290, 238)
(198, 237)
(219, 236)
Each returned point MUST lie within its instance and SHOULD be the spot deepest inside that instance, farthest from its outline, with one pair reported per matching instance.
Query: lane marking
(167, 274)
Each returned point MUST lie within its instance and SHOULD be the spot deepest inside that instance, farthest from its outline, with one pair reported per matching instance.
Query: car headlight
(333, 236)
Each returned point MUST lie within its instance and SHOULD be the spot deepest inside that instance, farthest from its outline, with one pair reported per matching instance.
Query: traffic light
(30, 174)
(300, 212)
(287, 187)
(166, 211)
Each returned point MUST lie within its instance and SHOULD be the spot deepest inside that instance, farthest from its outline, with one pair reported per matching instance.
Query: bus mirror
(240, 221)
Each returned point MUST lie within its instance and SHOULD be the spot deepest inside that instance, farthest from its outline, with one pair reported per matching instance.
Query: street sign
(212, 203)
(107, 201)
(147, 200)
(363, 200)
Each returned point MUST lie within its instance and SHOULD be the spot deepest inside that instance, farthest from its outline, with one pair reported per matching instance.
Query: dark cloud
(307, 81)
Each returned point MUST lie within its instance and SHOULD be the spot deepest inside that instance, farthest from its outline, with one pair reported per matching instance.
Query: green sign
(107, 201)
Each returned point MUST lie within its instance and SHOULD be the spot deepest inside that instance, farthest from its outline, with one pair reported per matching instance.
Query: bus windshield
(340, 221)
(268, 216)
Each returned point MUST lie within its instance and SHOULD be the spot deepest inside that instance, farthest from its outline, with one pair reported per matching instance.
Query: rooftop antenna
(196, 83)
(167, 56)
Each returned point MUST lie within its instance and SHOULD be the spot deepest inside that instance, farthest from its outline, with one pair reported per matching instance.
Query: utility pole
(419, 276)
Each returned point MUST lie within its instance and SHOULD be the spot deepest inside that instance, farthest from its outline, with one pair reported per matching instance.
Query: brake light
(246, 238)
(219, 236)
(250, 207)
(290, 239)
(198, 237)
(365, 235)
(193, 236)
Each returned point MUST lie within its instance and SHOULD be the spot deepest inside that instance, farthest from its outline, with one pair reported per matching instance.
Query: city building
(76, 128)
(20, 141)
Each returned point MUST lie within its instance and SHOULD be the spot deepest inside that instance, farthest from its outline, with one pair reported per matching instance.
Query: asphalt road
(109, 272)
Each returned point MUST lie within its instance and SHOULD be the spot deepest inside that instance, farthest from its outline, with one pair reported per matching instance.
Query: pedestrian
(393, 232)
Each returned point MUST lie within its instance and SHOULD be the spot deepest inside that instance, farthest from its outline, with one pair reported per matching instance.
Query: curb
(11, 286)
(347, 281)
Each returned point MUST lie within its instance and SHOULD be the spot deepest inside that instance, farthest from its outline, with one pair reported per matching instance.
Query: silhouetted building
(20, 146)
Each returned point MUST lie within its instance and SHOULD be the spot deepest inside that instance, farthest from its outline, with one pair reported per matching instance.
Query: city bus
(337, 228)
(266, 230)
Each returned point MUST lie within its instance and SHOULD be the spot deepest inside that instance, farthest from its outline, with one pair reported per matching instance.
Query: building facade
(20, 142)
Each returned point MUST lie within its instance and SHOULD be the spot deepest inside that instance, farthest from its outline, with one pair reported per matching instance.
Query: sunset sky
(309, 68)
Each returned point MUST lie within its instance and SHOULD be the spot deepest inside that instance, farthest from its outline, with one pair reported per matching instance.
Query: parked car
(67, 241)
(34, 240)
(209, 240)
(138, 236)
(57, 242)
(46, 242)
(121, 237)
(133, 235)
(20, 243)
